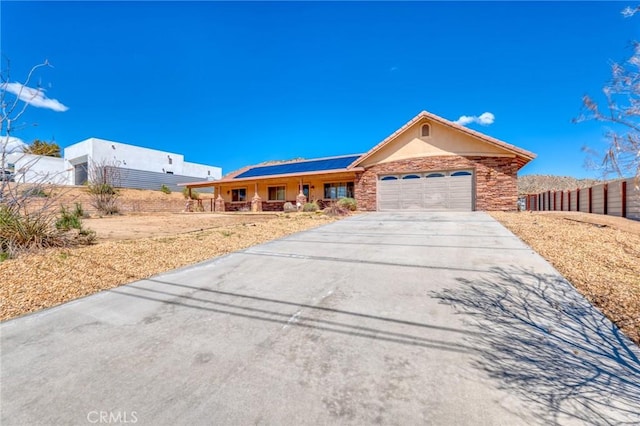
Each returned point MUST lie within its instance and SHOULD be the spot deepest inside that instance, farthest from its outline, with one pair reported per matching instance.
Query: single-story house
(430, 163)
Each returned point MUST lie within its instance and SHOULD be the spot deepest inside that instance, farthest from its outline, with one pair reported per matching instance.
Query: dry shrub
(336, 209)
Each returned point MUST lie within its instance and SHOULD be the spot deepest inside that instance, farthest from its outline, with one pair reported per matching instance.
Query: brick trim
(495, 179)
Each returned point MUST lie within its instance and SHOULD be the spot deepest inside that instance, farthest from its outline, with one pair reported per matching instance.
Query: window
(239, 194)
(389, 178)
(338, 190)
(435, 175)
(411, 177)
(276, 193)
(425, 131)
(461, 174)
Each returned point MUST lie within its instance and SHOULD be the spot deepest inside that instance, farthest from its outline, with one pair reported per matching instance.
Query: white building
(136, 167)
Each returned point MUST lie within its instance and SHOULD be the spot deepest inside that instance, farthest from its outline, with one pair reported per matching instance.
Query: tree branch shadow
(544, 342)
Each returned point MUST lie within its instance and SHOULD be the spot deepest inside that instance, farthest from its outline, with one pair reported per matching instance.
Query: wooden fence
(617, 198)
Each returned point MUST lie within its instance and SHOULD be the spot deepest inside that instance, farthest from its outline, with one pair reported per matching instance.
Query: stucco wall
(443, 141)
(40, 169)
(495, 179)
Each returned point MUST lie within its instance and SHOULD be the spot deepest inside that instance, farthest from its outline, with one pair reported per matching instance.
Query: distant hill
(534, 184)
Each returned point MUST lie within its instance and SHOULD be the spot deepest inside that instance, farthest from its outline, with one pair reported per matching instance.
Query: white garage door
(450, 190)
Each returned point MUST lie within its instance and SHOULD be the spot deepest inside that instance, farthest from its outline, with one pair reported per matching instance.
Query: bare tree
(621, 111)
(104, 179)
(28, 212)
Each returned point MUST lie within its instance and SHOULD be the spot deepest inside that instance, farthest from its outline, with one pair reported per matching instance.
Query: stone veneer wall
(270, 206)
(495, 179)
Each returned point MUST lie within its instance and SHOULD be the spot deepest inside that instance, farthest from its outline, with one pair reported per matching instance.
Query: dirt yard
(150, 225)
(599, 255)
(134, 247)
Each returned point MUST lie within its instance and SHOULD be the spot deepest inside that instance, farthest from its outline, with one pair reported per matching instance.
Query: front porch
(270, 194)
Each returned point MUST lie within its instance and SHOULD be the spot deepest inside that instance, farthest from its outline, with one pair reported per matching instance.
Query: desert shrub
(86, 236)
(21, 230)
(289, 207)
(72, 220)
(348, 203)
(310, 207)
(36, 191)
(104, 197)
(165, 189)
(336, 209)
(68, 220)
(195, 195)
(79, 211)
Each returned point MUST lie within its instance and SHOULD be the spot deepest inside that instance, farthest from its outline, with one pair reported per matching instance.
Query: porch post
(219, 200)
(256, 201)
(301, 199)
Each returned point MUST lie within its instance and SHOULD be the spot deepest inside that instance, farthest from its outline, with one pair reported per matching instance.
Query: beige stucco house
(430, 163)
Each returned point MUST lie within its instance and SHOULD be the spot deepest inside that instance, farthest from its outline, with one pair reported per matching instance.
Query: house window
(389, 178)
(435, 175)
(277, 193)
(338, 190)
(425, 131)
(461, 174)
(239, 194)
(411, 177)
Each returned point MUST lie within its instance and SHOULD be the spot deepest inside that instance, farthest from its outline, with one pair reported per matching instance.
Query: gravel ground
(40, 280)
(599, 255)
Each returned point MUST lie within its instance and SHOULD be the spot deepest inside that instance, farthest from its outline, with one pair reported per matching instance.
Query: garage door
(448, 190)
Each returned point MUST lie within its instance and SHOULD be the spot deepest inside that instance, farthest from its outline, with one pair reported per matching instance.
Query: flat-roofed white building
(136, 167)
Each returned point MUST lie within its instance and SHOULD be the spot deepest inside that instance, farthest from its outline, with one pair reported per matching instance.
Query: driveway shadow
(544, 342)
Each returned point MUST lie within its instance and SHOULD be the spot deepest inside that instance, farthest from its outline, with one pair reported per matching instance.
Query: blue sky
(232, 84)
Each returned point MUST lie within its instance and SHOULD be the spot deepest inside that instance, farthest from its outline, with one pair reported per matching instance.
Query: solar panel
(299, 167)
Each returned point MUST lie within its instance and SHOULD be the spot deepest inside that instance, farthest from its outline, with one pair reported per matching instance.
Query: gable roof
(523, 156)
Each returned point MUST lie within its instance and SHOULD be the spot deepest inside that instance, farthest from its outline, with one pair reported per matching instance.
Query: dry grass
(599, 255)
(47, 278)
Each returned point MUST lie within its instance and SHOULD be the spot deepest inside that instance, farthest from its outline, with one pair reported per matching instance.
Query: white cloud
(34, 97)
(628, 12)
(485, 119)
(11, 144)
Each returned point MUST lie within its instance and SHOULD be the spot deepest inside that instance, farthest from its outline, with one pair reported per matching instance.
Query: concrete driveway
(413, 318)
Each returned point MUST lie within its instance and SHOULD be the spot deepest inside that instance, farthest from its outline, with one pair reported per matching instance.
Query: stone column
(256, 203)
(219, 204)
(301, 200)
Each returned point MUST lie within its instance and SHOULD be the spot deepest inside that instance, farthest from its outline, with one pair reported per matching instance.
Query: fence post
(623, 191)
(605, 195)
(590, 193)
